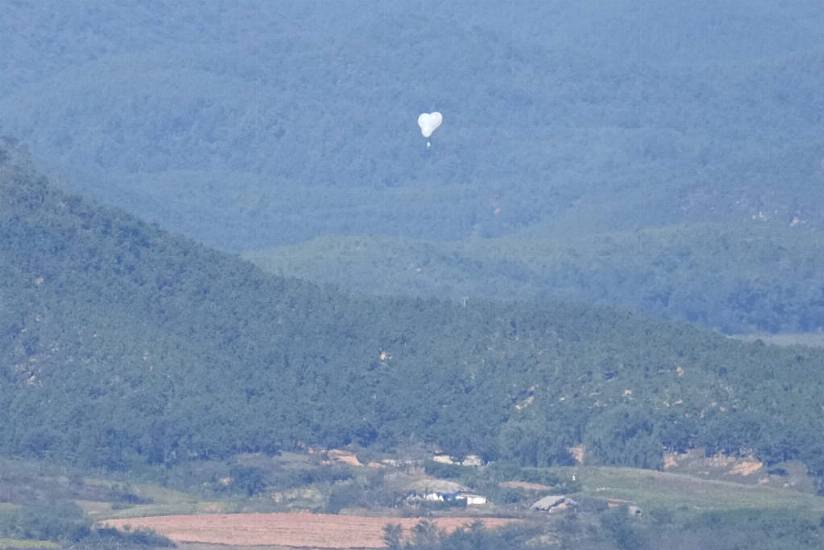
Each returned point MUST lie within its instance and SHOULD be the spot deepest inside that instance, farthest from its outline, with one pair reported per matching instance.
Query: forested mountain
(736, 279)
(253, 125)
(123, 344)
(566, 116)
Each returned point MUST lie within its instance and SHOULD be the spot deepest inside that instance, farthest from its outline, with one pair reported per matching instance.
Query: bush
(247, 479)
(443, 471)
(60, 521)
(343, 495)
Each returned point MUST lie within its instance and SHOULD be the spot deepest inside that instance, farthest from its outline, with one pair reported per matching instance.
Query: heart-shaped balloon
(429, 122)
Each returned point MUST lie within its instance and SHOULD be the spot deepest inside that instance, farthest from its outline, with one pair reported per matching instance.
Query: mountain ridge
(757, 277)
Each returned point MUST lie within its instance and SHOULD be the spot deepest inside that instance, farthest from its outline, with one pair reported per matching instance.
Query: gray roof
(435, 486)
(548, 502)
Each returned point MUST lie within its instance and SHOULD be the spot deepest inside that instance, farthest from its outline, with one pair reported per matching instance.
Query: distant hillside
(120, 344)
(733, 278)
(251, 125)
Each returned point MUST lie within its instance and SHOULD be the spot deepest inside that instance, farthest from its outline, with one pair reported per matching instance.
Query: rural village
(346, 498)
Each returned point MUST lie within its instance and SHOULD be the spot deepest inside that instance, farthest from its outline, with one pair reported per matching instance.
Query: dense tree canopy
(122, 343)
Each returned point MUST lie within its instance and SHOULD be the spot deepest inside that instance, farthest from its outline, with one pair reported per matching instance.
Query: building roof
(435, 486)
(549, 501)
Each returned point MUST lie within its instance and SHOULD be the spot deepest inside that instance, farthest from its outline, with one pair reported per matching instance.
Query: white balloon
(429, 122)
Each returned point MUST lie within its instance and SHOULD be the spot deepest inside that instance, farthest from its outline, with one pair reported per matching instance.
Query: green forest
(126, 345)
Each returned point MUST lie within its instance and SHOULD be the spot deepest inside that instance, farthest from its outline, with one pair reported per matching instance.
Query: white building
(473, 500)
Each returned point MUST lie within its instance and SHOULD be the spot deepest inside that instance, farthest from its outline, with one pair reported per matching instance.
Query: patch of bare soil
(718, 465)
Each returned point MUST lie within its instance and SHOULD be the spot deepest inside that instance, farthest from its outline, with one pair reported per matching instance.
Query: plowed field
(301, 530)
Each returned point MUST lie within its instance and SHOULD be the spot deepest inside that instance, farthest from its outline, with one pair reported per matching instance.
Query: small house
(473, 500)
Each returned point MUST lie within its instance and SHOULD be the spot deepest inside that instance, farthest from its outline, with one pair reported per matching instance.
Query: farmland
(287, 529)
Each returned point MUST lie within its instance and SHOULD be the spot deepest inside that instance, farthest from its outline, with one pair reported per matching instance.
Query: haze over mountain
(736, 279)
(249, 126)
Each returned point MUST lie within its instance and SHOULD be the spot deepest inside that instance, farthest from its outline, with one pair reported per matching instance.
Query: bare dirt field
(296, 530)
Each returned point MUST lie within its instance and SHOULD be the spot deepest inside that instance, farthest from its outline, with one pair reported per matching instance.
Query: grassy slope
(661, 490)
